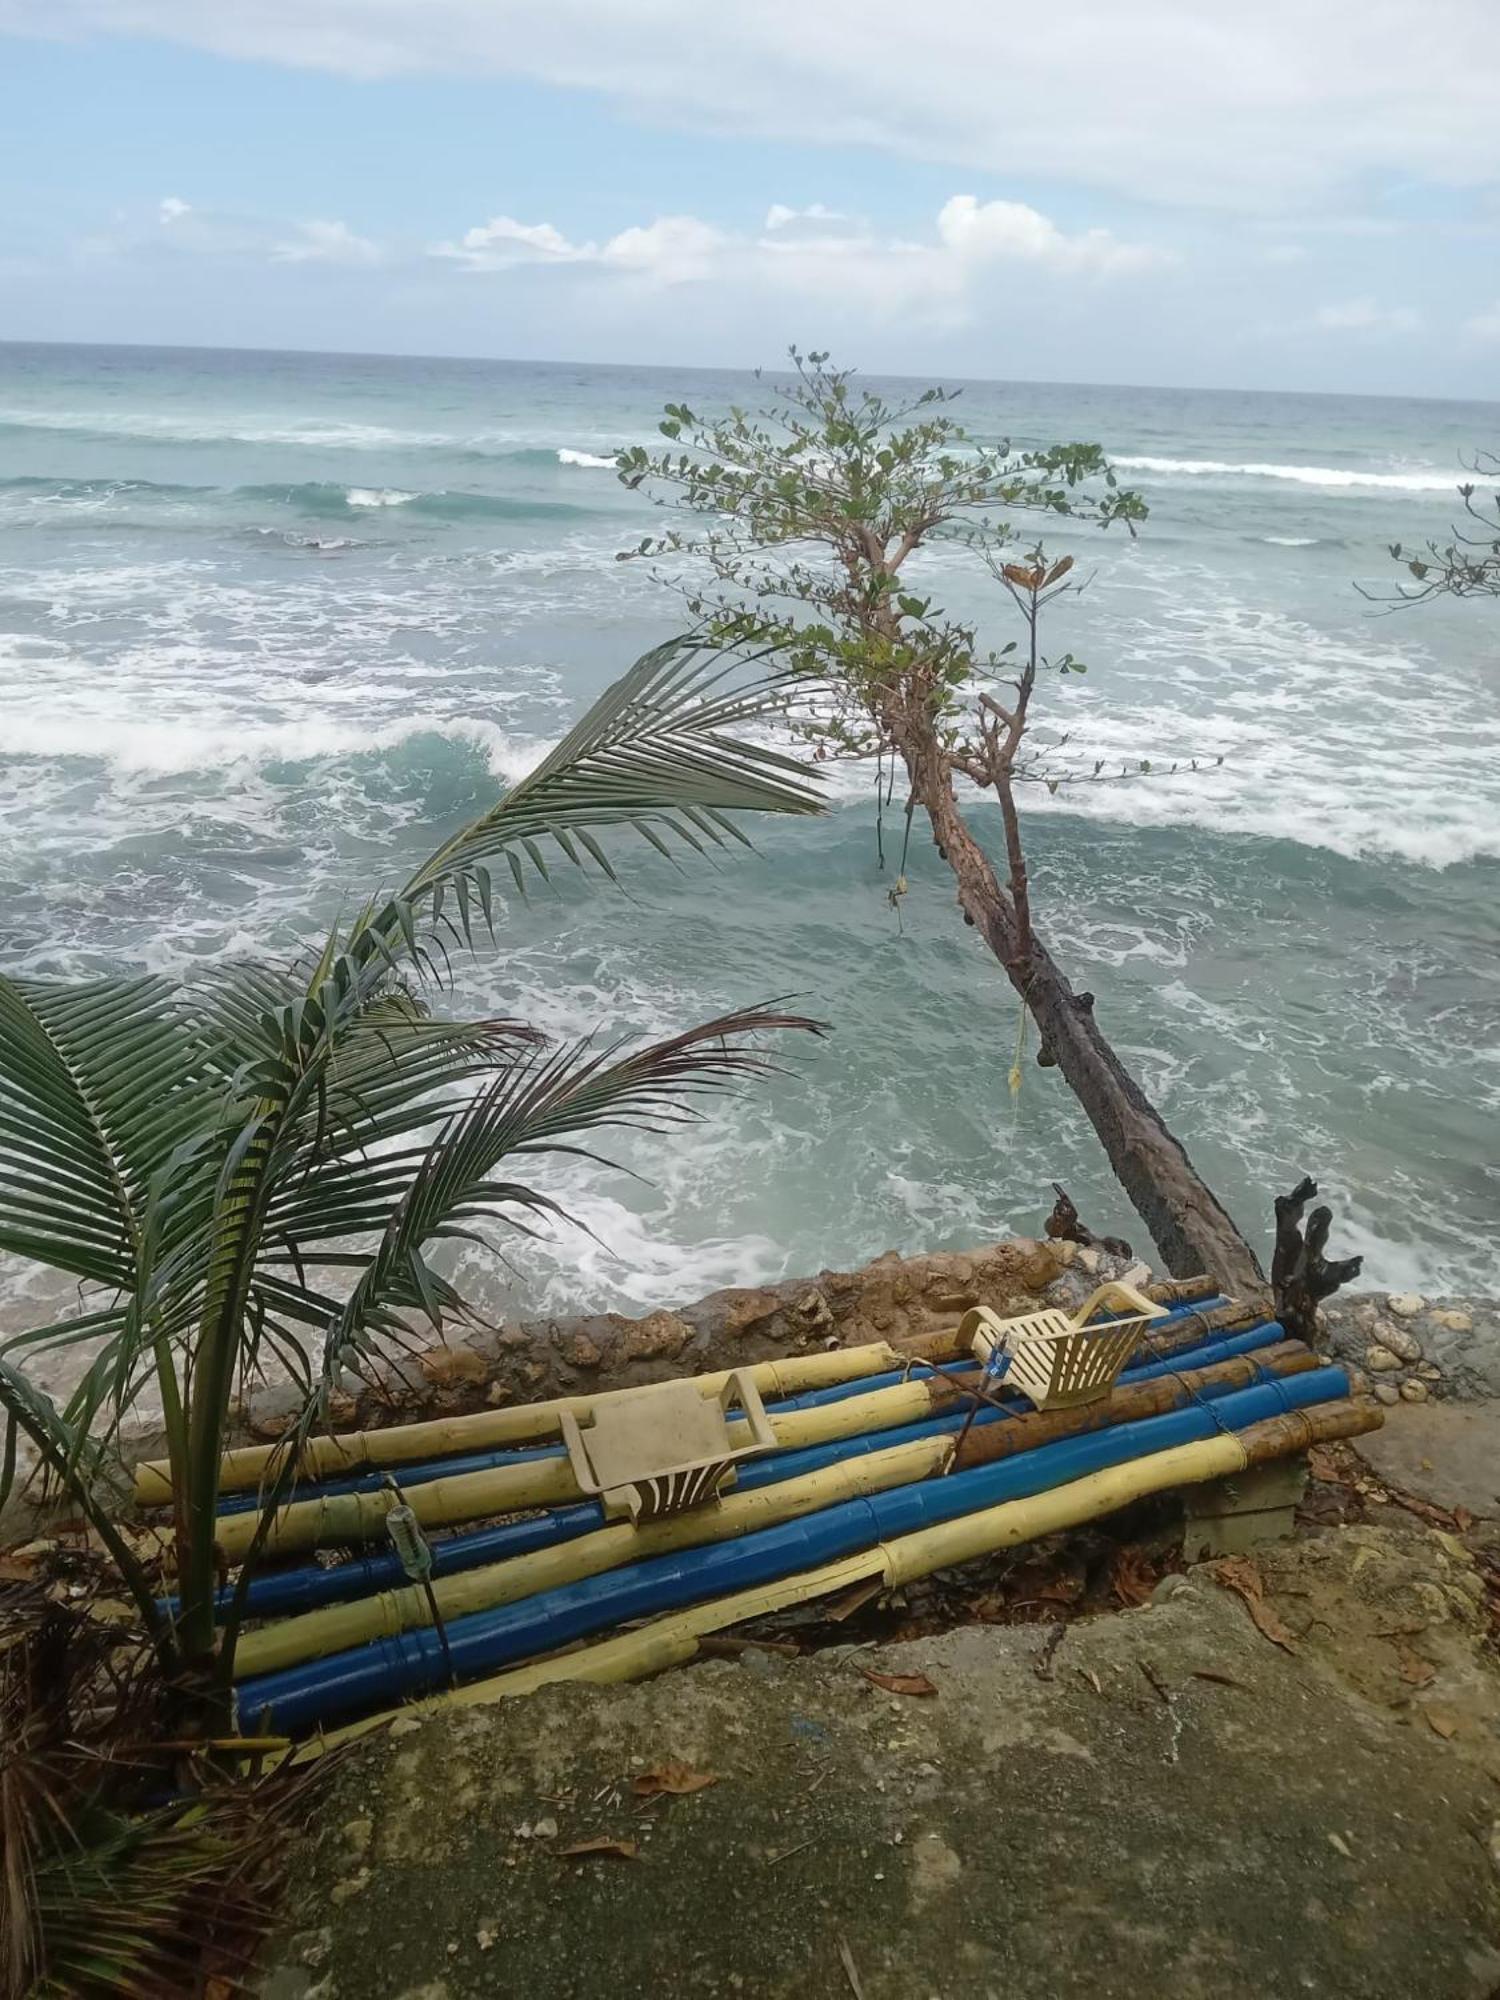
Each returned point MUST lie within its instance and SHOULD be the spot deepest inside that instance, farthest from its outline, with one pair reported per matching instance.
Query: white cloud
(980, 231)
(779, 216)
(816, 251)
(1203, 105)
(672, 249)
(503, 241)
(1365, 316)
(326, 243)
(173, 209)
(1485, 325)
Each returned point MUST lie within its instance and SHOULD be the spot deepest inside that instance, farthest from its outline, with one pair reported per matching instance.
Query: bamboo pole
(315, 1634)
(674, 1639)
(473, 1496)
(329, 1457)
(329, 1519)
(339, 1626)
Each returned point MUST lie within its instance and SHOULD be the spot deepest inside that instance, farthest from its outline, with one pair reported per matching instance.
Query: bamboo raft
(877, 1463)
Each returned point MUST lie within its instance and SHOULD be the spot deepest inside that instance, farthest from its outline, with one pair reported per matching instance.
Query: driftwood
(1301, 1276)
(1065, 1225)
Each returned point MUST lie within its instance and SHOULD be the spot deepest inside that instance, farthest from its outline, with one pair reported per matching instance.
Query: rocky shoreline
(1407, 1348)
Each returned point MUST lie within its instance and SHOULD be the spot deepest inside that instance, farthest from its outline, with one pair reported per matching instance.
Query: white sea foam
(378, 496)
(1291, 541)
(164, 427)
(1331, 476)
(1329, 738)
(589, 458)
(173, 746)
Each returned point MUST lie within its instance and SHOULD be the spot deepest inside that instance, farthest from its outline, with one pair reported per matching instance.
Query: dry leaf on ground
(1132, 1577)
(674, 1778)
(621, 1850)
(1239, 1574)
(1415, 1670)
(900, 1683)
(1442, 1722)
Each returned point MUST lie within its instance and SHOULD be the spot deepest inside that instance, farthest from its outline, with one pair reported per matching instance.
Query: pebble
(1452, 1320)
(1380, 1360)
(1404, 1345)
(1406, 1305)
(1414, 1391)
(1387, 1392)
(1430, 1372)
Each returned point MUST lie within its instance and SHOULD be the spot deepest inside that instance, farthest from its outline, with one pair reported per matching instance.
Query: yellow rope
(1015, 1068)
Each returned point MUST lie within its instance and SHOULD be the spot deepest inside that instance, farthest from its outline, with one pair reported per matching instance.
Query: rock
(453, 1364)
(583, 1352)
(1041, 1266)
(1451, 1320)
(1404, 1345)
(1406, 1305)
(814, 1311)
(1414, 1391)
(1380, 1360)
(1430, 1372)
(1387, 1392)
(1089, 1258)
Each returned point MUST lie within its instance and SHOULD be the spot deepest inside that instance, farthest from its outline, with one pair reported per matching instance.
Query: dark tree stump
(1301, 1276)
(1065, 1225)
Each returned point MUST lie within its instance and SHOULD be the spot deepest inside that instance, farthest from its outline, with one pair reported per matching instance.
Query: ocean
(272, 625)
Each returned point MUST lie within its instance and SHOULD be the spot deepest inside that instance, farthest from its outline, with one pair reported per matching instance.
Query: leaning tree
(813, 510)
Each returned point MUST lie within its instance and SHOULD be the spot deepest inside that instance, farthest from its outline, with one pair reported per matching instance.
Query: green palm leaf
(656, 753)
(99, 1083)
(539, 1106)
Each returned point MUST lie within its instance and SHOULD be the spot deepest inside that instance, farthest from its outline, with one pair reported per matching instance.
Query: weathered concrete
(1445, 1452)
(1182, 1806)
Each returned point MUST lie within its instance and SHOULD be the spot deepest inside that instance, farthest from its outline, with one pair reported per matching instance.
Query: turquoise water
(271, 625)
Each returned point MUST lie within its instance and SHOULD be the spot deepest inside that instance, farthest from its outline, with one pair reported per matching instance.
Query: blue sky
(1294, 196)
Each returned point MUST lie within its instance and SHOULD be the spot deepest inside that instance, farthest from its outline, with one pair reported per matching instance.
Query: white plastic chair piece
(1059, 1359)
(657, 1451)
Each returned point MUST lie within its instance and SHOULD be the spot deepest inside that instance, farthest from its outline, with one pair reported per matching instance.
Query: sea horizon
(765, 369)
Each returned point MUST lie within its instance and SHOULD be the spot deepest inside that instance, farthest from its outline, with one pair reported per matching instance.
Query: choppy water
(271, 625)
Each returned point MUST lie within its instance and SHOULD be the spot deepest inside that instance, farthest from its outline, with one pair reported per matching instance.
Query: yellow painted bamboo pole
(329, 1457)
(628, 1656)
(318, 1633)
(547, 1482)
(315, 1634)
(475, 1496)
(673, 1639)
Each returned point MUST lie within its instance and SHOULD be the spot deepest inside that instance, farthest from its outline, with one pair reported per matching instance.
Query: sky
(1248, 193)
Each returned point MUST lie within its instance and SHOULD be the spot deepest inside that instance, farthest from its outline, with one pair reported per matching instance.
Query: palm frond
(657, 753)
(537, 1106)
(98, 1084)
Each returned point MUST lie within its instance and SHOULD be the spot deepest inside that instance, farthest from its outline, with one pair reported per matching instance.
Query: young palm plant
(264, 1162)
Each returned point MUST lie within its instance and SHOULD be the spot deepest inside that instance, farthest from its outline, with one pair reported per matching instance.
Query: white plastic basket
(1059, 1359)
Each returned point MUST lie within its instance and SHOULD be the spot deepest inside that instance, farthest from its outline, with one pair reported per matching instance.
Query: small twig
(1042, 1665)
(787, 1852)
(851, 1971)
(1164, 1693)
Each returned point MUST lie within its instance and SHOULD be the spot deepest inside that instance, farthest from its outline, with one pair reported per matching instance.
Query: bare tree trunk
(1191, 1230)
